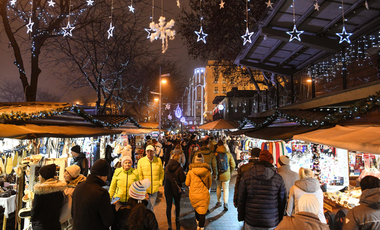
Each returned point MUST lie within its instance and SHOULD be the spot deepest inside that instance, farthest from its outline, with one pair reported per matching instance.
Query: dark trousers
(201, 218)
(170, 197)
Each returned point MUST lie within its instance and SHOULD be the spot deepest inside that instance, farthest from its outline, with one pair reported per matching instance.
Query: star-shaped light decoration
(178, 4)
(221, 4)
(110, 31)
(51, 3)
(201, 36)
(68, 30)
(316, 6)
(295, 34)
(167, 106)
(29, 26)
(90, 2)
(131, 8)
(269, 4)
(170, 117)
(344, 36)
(247, 36)
(13, 2)
(148, 31)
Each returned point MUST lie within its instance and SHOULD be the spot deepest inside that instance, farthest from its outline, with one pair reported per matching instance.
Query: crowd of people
(266, 197)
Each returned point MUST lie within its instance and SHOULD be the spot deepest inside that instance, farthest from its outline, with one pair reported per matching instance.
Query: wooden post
(344, 68)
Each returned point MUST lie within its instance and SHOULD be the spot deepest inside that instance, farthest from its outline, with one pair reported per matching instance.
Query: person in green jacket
(226, 165)
(122, 179)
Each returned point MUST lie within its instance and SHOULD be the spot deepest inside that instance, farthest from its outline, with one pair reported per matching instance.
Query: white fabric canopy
(357, 138)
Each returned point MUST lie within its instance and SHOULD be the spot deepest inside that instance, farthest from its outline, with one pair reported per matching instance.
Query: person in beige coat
(199, 180)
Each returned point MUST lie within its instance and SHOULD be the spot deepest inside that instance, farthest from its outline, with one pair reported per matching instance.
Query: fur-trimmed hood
(49, 186)
(76, 181)
(200, 169)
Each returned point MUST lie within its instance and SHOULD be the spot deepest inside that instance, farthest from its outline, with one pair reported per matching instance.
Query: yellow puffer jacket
(118, 187)
(152, 170)
(199, 193)
(231, 164)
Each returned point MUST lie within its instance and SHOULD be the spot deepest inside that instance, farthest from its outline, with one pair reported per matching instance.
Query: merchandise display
(348, 199)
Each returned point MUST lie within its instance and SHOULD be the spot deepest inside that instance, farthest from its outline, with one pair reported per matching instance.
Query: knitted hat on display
(150, 147)
(308, 203)
(76, 149)
(255, 152)
(199, 158)
(265, 155)
(48, 171)
(285, 160)
(138, 189)
(100, 168)
(73, 171)
(126, 158)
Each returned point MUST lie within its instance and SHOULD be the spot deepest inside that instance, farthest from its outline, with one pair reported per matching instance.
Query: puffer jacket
(226, 176)
(366, 216)
(239, 176)
(199, 194)
(120, 179)
(69, 190)
(47, 203)
(152, 170)
(302, 220)
(261, 200)
(301, 187)
(209, 158)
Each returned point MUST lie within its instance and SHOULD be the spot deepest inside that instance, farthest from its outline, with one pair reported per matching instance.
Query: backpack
(222, 162)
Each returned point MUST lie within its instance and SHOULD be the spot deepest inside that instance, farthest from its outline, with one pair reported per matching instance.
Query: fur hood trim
(49, 186)
(76, 181)
(199, 165)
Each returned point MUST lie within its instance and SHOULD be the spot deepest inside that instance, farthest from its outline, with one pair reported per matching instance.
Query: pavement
(216, 219)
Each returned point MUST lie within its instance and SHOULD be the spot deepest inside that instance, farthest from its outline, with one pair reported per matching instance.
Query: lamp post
(159, 107)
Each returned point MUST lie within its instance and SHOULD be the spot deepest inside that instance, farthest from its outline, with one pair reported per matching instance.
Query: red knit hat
(265, 155)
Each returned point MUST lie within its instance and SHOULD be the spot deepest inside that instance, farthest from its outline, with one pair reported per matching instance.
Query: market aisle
(217, 219)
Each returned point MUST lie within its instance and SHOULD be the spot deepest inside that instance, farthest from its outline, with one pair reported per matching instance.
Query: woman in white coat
(306, 185)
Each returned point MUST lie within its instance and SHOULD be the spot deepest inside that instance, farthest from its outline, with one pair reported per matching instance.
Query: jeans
(248, 227)
(226, 190)
(152, 201)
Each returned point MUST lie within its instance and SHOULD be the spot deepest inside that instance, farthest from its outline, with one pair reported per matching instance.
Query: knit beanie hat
(126, 158)
(199, 158)
(76, 149)
(150, 147)
(255, 152)
(308, 203)
(100, 168)
(265, 155)
(285, 160)
(138, 189)
(48, 171)
(73, 171)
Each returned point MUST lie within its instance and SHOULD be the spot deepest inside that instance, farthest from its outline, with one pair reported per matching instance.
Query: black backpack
(222, 161)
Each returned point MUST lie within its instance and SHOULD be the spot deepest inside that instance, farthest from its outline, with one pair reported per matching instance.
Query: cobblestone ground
(218, 219)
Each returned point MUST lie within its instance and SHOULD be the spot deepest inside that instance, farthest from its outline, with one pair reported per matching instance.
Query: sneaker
(225, 207)
(218, 204)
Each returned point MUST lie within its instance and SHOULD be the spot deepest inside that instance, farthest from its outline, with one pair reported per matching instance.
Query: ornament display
(68, 30)
(201, 36)
(163, 31)
(178, 112)
(344, 36)
(110, 31)
(295, 34)
(221, 4)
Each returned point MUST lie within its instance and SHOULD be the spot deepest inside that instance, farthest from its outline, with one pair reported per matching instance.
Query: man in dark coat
(79, 159)
(254, 159)
(91, 203)
(262, 198)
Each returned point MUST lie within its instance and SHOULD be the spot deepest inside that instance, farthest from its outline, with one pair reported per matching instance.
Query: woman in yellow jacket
(199, 181)
(122, 179)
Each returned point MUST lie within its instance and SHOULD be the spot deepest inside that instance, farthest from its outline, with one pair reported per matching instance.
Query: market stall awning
(279, 133)
(36, 131)
(357, 138)
(137, 131)
(219, 124)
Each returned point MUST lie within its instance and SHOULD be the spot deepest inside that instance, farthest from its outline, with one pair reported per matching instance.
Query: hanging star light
(29, 26)
(90, 2)
(13, 2)
(316, 6)
(148, 31)
(221, 4)
(167, 106)
(247, 36)
(295, 34)
(68, 30)
(131, 9)
(110, 31)
(163, 31)
(178, 4)
(170, 117)
(201, 36)
(344, 36)
(51, 3)
(269, 4)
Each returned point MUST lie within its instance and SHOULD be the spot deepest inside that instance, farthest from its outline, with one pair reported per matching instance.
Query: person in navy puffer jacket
(262, 195)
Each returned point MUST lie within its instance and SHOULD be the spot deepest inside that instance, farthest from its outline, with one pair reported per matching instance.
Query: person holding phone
(122, 180)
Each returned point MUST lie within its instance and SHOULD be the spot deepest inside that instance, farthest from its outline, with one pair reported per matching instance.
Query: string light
(344, 36)
(68, 30)
(248, 35)
(294, 34)
(201, 35)
(110, 30)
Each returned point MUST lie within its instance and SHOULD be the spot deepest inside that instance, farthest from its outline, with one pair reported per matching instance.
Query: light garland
(295, 34)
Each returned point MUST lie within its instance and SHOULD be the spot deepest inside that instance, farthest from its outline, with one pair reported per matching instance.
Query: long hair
(137, 215)
(305, 173)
